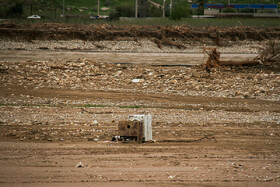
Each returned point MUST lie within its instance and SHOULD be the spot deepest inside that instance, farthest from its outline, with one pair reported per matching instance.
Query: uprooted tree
(214, 60)
(271, 53)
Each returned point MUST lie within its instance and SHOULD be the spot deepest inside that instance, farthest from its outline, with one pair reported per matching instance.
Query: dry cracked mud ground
(56, 114)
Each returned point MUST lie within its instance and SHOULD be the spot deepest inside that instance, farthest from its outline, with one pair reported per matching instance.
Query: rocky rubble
(87, 75)
(71, 124)
(50, 118)
(126, 45)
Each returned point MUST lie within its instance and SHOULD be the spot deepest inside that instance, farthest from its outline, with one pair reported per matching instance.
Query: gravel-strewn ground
(57, 117)
(126, 45)
(83, 74)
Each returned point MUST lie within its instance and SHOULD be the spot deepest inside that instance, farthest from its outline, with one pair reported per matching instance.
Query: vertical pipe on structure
(163, 9)
(98, 5)
(136, 8)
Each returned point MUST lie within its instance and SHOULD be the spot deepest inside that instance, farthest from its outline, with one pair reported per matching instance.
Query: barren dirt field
(59, 114)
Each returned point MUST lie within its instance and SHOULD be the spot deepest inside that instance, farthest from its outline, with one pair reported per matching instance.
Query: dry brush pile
(162, 35)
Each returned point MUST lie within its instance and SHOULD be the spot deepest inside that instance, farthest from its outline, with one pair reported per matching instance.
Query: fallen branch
(165, 41)
(189, 141)
(214, 60)
(271, 53)
(158, 42)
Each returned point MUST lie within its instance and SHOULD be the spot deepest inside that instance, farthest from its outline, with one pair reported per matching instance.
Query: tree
(180, 12)
(125, 11)
(143, 8)
(200, 10)
(16, 10)
(180, 9)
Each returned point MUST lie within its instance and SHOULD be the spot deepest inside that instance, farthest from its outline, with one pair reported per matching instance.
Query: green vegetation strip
(189, 22)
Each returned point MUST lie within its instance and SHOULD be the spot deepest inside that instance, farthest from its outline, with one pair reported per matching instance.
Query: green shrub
(155, 12)
(114, 15)
(247, 10)
(107, 3)
(16, 10)
(125, 11)
(229, 10)
(3, 12)
(200, 10)
(180, 12)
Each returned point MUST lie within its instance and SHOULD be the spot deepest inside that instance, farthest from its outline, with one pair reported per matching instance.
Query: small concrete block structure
(131, 130)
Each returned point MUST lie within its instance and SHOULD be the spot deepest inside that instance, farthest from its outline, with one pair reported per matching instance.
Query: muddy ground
(218, 128)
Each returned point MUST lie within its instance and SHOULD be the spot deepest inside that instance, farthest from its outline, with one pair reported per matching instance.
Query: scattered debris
(171, 177)
(270, 53)
(80, 165)
(137, 80)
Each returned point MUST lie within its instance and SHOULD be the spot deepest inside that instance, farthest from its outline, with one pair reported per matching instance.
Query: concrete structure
(147, 119)
(131, 130)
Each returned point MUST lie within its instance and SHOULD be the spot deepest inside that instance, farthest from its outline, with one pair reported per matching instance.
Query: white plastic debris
(80, 165)
(171, 177)
(138, 80)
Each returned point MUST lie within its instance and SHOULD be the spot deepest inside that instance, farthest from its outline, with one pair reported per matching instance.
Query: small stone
(95, 122)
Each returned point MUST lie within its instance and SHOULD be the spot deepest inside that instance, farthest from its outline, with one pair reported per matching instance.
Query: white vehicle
(99, 17)
(103, 17)
(34, 17)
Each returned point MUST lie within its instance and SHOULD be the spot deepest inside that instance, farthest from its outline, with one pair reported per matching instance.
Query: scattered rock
(95, 122)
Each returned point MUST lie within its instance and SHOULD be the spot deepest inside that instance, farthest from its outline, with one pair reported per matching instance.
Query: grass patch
(193, 22)
(134, 106)
(189, 22)
(90, 106)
